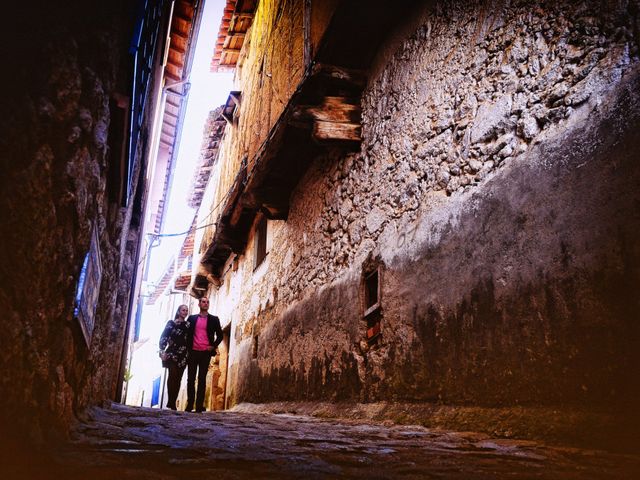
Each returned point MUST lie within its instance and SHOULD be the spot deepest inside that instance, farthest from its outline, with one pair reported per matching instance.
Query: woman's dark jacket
(174, 342)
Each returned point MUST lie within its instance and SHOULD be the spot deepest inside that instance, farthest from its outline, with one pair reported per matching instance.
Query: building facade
(77, 134)
(430, 202)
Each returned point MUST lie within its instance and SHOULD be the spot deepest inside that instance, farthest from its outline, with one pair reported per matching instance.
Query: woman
(173, 352)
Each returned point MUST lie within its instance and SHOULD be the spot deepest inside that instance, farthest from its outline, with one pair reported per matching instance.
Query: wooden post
(307, 32)
(331, 131)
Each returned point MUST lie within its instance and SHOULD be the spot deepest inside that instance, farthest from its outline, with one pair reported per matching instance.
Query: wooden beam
(172, 103)
(169, 133)
(238, 18)
(176, 62)
(353, 77)
(179, 50)
(275, 212)
(306, 51)
(332, 131)
(167, 121)
(172, 76)
(332, 109)
(236, 96)
(182, 35)
(183, 17)
(237, 212)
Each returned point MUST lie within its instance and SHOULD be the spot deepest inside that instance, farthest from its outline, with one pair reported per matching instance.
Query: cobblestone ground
(140, 443)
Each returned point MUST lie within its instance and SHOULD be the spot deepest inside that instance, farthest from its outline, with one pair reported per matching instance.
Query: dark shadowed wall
(66, 63)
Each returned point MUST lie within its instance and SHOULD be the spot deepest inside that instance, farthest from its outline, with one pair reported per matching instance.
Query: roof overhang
(285, 156)
(215, 127)
(322, 114)
(177, 64)
(234, 26)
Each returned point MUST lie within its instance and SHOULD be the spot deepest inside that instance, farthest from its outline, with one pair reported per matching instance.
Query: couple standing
(189, 342)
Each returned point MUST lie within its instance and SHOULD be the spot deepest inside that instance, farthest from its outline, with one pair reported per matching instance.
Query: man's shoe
(200, 410)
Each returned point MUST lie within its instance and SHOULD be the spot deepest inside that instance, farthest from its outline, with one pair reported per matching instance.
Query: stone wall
(270, 69)
(496, 189)
(65, 67)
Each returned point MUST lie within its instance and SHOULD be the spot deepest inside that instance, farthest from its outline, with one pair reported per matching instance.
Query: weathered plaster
(496, 184)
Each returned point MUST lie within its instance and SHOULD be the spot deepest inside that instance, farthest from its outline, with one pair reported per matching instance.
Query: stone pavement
(121, 442)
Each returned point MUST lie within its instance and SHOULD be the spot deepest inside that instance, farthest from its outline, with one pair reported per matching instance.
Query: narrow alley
(361, 239)
(142, 443)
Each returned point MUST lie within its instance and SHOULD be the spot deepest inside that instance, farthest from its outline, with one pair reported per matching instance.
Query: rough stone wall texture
(496, 186)
(55, 121)
(270, 69)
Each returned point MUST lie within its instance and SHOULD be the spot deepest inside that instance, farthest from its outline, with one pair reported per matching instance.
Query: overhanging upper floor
(322, 113)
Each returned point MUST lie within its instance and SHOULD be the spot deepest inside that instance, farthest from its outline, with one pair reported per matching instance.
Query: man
(205, 334)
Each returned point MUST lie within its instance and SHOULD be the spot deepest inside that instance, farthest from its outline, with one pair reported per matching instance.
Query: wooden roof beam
(171, 102)
(332, 109)
(183, 35)
(335, 75)
(183, 17)
(178, 49)
(179, 65)
(167, 121)
(326, 132)
(172, 76)
(168, 132)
